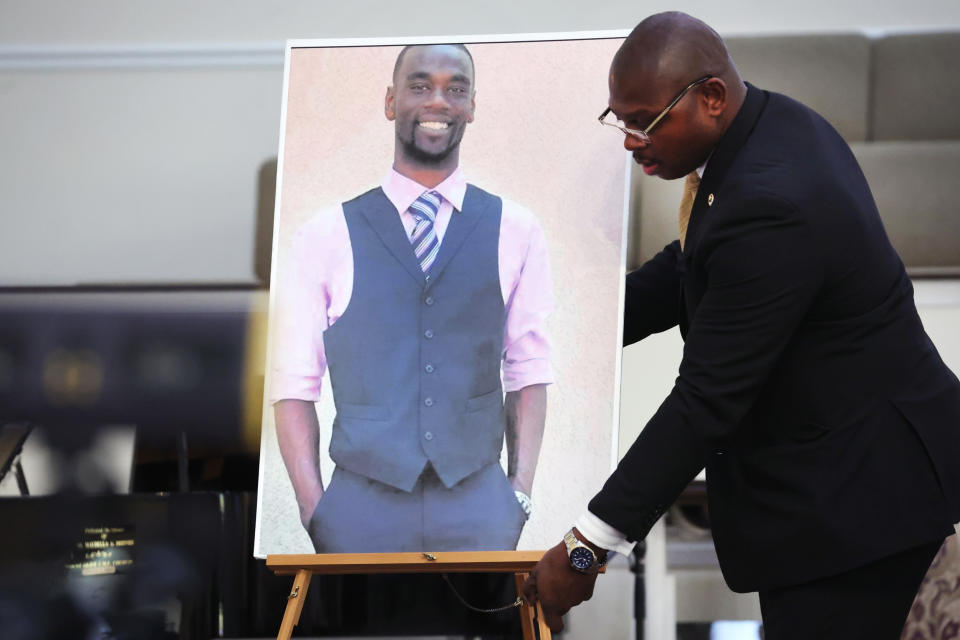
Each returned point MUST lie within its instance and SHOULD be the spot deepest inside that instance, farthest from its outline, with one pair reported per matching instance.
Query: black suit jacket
(827, 422)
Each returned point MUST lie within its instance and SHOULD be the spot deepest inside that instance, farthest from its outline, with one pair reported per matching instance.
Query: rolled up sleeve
(525, 266)
(298, 362)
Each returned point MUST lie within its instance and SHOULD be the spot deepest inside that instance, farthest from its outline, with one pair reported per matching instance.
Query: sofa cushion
(828, 73)
(916, 87)
(914, 185)
(915, 188)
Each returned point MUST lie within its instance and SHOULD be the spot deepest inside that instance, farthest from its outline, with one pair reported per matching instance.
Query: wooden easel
(303, 566)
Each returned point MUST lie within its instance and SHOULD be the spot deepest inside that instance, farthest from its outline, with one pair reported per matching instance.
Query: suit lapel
(722, 158)
(385, 221)
(461, 225)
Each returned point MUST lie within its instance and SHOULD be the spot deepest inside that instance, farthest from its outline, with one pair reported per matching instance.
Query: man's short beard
(412, 151)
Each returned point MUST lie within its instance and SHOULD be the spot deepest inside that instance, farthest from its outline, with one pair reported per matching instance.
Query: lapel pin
(710, 200)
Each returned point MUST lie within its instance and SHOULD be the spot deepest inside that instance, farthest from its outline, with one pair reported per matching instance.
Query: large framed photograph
(446, 297)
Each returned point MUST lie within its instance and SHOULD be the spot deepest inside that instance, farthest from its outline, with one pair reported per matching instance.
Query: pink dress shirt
(314, 291)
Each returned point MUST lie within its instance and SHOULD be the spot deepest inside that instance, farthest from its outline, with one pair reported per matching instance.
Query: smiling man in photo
(425, 298)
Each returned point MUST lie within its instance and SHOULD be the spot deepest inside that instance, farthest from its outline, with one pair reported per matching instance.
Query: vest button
(428, 402)
(429, 301)
(428, 334)
(428, 368)
(428, 436)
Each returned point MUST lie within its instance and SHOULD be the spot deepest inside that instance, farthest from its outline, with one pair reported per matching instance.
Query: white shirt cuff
(603, 535)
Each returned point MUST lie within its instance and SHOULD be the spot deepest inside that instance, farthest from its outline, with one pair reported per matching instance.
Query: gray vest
(415, 362)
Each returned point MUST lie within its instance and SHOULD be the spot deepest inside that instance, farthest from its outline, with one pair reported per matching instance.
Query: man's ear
(714, 95)
(388, 101)
(473, 107)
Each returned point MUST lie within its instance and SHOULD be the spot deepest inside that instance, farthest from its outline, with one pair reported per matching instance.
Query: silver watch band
(525, 502)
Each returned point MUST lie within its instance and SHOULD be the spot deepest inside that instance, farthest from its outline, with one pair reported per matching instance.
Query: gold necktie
(686, 203)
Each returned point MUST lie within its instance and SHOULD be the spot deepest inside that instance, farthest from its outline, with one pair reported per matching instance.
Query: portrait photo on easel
(446, 300)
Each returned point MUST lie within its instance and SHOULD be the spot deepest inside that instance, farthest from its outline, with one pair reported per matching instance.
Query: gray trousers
(360, 515)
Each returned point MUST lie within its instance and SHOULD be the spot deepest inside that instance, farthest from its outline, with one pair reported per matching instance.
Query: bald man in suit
(828, 424)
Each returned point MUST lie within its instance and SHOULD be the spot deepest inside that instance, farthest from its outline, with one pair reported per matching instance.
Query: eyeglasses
(644, 134)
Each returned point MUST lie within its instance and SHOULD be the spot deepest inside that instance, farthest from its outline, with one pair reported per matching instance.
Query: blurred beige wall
(134, 131)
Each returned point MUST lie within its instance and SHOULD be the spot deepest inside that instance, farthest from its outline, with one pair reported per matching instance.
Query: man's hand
(557, 586)
(306, 511)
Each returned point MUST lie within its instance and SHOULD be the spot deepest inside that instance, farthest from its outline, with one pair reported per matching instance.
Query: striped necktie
(690, 188)
(424, 236)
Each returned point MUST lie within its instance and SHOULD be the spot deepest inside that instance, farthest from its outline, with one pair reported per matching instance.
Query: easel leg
(542, 624)
(530, 619)
(291, 617)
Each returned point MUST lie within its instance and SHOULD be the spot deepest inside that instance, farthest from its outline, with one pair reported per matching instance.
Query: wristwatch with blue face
(582, 557)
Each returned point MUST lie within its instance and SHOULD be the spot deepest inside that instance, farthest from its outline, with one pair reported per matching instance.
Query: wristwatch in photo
(525, 502)
(582, 557)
